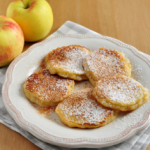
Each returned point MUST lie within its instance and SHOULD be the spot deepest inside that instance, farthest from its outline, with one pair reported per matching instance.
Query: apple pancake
(67, 61)
(105, 62)
(45, 89)
(120, 92)
(81, 110)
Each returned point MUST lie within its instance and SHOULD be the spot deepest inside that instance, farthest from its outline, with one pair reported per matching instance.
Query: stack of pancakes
(108, 70)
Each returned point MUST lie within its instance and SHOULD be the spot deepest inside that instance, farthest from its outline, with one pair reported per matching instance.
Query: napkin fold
(137, 142)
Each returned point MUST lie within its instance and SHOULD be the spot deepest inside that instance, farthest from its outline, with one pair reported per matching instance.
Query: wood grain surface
(126, 20)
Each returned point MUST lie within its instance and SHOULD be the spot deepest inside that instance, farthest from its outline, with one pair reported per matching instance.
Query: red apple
(11, 40)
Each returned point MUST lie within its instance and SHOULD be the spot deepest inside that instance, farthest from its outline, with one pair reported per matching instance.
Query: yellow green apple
(35, 18)
(11, 40)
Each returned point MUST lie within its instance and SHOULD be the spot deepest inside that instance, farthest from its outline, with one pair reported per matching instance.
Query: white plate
(51, 130)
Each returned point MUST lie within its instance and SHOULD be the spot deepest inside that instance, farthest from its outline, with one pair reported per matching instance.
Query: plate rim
(75, 142)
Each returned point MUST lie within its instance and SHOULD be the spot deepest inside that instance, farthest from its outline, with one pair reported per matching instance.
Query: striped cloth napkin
(138, 142)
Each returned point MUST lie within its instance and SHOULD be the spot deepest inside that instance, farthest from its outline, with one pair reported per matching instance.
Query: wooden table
(126, 20)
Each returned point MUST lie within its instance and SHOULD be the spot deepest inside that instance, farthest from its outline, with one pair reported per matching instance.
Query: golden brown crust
(121, 93)
(45, 89)
(81, 110)
(67, 61)
(105, 62)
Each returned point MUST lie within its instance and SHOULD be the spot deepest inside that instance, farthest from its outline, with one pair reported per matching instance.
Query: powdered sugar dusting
(120, 89)
(69, 58)
(47, 86)
(105, 62)
(84, 108)
(137, 74)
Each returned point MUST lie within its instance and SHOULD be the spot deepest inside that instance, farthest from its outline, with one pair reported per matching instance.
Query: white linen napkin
(138, 142)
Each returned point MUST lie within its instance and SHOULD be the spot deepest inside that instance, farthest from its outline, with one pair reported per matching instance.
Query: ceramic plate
(50, 129)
